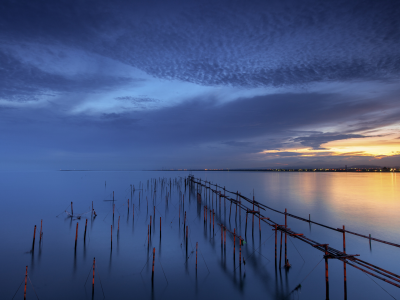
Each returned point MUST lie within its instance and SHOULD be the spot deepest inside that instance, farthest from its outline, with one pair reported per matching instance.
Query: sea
(186, 255)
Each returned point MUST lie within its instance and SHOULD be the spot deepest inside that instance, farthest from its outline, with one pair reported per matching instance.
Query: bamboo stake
(26, 281)
(252, 224)
(187, 231)
(326, 272)
(280, 254)
(152, 272)
(286, 262)
(245, 230)
(34, 236)
(76, 234)
(197, 245)
(276, 237)
(184, 223)
(224, 237)
(40, 234)
(213, 220)
(240, 251)
(84, 237)
(344, 264)
(234, 243)
(94, 266)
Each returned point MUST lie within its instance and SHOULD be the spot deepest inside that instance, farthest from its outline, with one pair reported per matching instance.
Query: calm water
(365, 203)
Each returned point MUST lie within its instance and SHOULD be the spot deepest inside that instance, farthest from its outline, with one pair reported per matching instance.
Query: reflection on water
(59, 267)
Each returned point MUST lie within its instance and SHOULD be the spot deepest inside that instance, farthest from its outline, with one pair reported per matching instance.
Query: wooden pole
(280, 254)
(187, 231)
(76, 234)
(152, 272)
(94, 267)
(224, 237)
(286, 262)
(234, 243)
(326, 272)
(370, 241)
(230, 211)
(245, 229)
(34, 236)
(26, 281)
(213, 220)
(72, 209)
(240, 251)
(40, 234)
(276, 242)
(84, 237)
(252, 225)
(344, 264)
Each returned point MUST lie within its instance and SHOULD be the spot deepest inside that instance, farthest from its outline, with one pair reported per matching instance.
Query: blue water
(365, 203)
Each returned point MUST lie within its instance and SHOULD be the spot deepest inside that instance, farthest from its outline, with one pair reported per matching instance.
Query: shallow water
(365, 203)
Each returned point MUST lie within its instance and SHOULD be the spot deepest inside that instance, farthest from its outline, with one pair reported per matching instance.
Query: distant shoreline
(349, 170)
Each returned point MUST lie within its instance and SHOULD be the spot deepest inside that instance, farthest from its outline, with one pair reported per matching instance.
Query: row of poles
(328, 251)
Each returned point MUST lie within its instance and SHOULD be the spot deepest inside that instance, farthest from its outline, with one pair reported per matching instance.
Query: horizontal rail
(328, 252)
(303, 219)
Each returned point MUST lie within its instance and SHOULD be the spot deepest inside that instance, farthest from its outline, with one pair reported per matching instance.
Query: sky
(139, 85)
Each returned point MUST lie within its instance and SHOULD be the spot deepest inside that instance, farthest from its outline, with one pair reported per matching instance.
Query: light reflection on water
(365, 203)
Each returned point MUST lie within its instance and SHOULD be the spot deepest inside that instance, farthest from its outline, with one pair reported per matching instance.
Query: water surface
(365, 203)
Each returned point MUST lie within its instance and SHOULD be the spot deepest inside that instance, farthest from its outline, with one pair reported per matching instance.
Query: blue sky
(199, 84)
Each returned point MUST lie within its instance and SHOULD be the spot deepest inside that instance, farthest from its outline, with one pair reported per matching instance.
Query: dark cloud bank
(193, 134)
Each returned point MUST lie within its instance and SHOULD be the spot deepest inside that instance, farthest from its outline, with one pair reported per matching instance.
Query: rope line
(296, 249)
(18, 289)
(33, 287)
(379, 285)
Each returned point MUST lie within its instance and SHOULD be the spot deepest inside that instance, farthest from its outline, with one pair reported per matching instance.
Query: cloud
(20, 82)
(221, 81)
(241, 43)
(315, 140)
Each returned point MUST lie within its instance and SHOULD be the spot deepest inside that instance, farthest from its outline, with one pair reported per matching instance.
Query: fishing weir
(179, 223)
